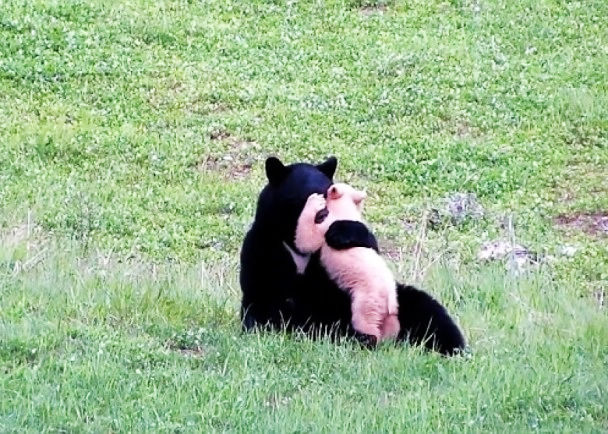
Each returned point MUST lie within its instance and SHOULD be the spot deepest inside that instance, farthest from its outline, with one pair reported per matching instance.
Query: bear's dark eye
(321, 215)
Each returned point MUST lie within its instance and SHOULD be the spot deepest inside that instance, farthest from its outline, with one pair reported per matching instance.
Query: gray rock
(567, 250)
(518, 257)
(454, 210)
(461, 206)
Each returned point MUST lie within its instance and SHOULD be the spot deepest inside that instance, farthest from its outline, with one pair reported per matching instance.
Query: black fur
(321, 307)
(268, 274)
(276, 296)
(425, 321)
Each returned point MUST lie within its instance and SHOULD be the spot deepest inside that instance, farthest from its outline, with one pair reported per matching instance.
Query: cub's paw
(316, 207)
(315, 203)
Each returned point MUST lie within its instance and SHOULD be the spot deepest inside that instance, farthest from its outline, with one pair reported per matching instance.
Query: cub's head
(344, 202)
(289, 186)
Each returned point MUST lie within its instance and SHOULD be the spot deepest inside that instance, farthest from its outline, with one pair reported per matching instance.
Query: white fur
(310, 236)
(301, 261)
(359, 270)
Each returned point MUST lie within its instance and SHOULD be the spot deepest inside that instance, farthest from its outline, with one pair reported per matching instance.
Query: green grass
(100, 346)
(132, 137)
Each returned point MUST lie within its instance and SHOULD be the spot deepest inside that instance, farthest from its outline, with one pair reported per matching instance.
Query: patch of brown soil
(236, 162)
(590, 223)
(461, 129)
(464, 130)
(195, 351)
(220, 134)
(373, 9)
(218, 107)
(175, 95)
(226, 166)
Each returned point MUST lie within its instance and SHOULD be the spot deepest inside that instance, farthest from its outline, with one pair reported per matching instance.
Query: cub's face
(343, 203)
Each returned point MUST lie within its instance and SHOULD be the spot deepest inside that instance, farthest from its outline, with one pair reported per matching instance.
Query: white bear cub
(360, 271)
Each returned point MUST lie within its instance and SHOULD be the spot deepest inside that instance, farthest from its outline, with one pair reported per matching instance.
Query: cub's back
(359, 269)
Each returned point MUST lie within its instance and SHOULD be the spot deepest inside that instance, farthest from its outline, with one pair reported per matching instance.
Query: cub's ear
(328, 167)
(358, 197)
(275, 170)
(334, 192)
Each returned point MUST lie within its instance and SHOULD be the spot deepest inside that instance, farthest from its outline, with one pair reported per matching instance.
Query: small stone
(567, 250)
(461, 206)
(518, 256)
(497, 249)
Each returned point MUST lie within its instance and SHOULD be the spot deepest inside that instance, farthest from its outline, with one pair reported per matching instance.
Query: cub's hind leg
(391, 327)
(366, 315)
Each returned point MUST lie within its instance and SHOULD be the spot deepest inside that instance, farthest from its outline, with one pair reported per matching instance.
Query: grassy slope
(108, 346)
(108, 111)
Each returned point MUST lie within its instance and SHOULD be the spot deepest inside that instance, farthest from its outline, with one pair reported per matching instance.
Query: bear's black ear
(329, 167)
(275, 170)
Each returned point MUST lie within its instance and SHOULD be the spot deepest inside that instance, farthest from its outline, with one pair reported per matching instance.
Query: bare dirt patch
(218, 107)
(236, 162)
(372, 9)
(595, 224)
(464, 130)
(192, 352)
(186, 350)
(461, 129)
(220, 134)
(173, 94)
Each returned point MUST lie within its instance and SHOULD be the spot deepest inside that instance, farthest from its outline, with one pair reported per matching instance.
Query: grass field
(132, 141)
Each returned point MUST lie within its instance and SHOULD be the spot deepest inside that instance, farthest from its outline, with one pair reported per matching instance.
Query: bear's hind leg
(425, 321)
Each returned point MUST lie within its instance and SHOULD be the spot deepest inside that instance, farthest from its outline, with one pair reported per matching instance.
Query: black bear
(284, 288)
